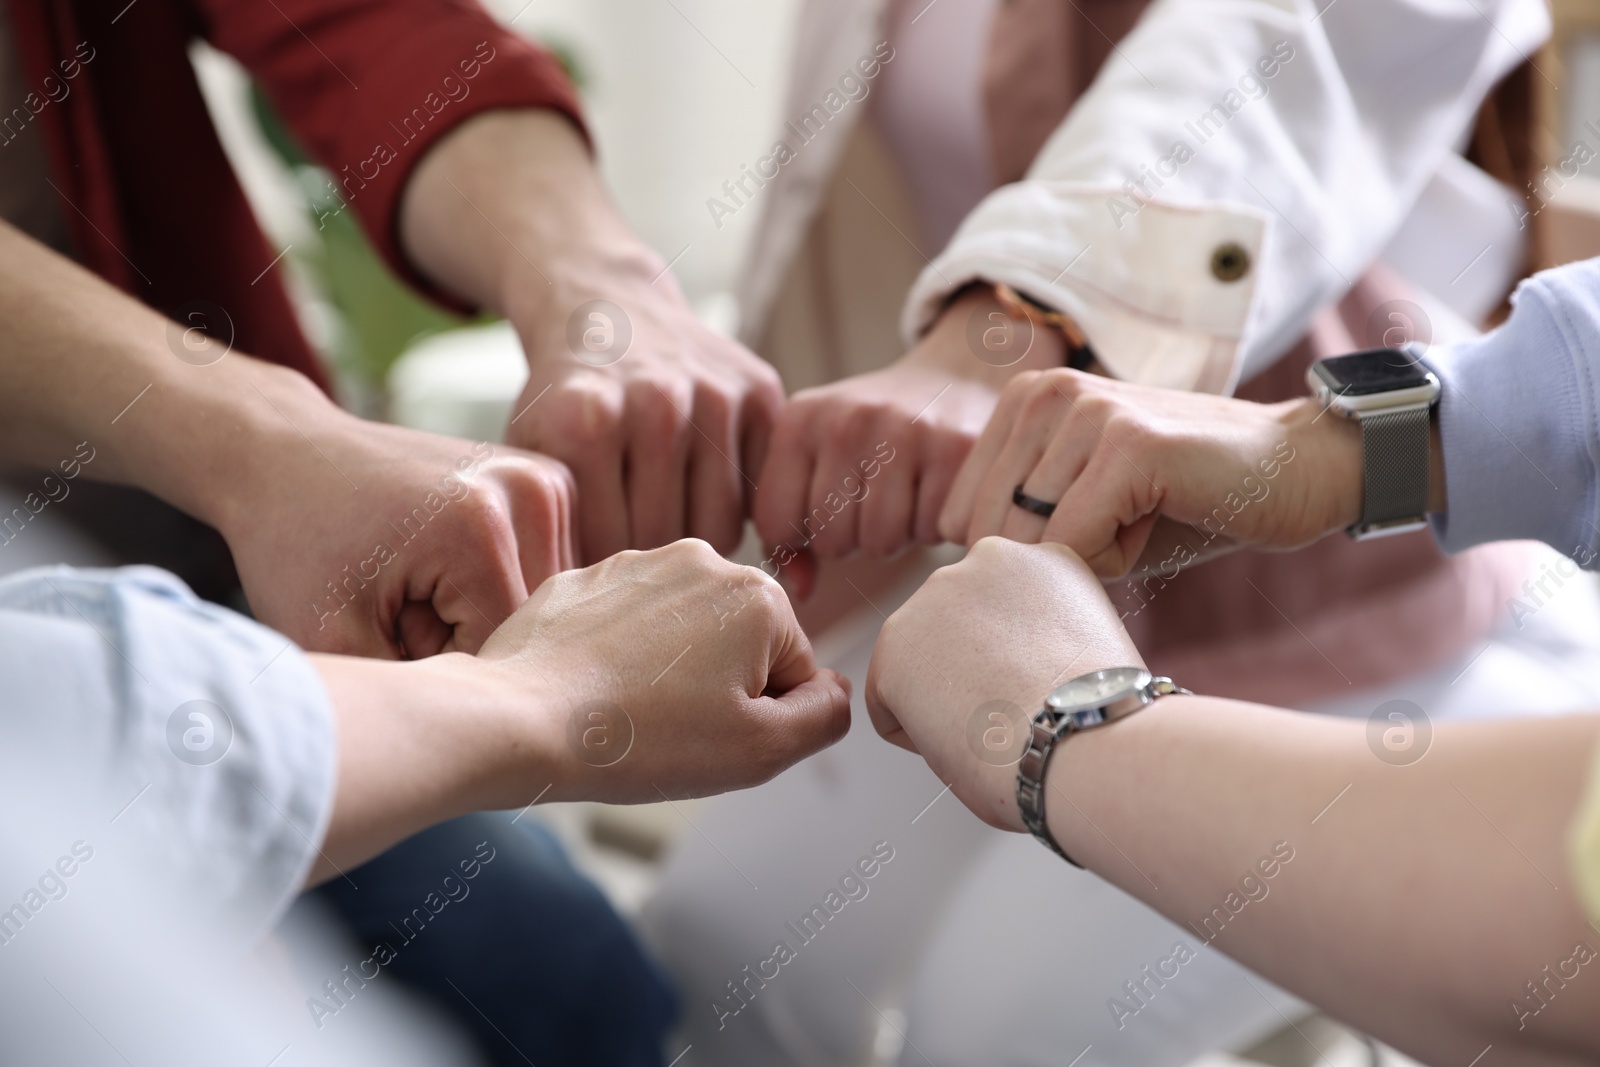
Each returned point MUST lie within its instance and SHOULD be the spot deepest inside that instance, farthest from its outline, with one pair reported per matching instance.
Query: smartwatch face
(1379, 370)
(1098, 688)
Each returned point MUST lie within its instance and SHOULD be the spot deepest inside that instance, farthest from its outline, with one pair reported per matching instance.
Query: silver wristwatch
(1391, 394)
(1083, 703)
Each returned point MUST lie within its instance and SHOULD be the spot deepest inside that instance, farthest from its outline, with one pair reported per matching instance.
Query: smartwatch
(1085, 702)
(1391, 394)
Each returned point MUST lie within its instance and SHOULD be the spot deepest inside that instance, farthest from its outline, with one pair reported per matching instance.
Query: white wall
(680, 93)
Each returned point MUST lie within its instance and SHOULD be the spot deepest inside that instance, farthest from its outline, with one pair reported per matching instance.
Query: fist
(677, 674)
(962, 667)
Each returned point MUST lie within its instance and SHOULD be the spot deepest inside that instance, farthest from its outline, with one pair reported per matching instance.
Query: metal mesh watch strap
(1394, 447)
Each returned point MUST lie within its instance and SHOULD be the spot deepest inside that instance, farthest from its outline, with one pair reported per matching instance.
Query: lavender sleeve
(1519, 421)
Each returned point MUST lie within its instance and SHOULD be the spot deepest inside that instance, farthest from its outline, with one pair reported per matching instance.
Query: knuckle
(1042, 402)
(1127, 430)
(653, 412)
(991, 549)
(695, 551)
(488, 519)
(579, 416)
(715, 399)
(1021, 385)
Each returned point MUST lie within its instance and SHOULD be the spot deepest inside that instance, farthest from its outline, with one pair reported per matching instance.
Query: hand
(866, 463)
(653, 675)
(373, 540)
(1116, 458)
(671, 673)
(962, 667)
(662, 420)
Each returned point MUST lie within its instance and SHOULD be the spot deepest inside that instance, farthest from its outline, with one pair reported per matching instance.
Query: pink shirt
(929, 108)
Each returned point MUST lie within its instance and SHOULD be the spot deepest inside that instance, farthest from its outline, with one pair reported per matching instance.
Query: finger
(365, 626)
(942, 460)
(1106, 517)
(956, 518)
(583, 430)
(658, 451)
(887, 512)
(888, 503)
(790, 660)
(806, 719)
(832, 517)
(420, 630)
(785, 481)
(994, 502)
(568, 512)
(758, 417)
(1063, 461)
(716, 481)
(483, 584)
(1024, 526)
(542, 514)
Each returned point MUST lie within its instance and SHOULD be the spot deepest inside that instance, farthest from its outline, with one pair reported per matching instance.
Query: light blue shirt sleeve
(205, 740)
(1518, 421)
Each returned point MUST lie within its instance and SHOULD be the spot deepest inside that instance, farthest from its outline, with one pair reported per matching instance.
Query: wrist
(956, 343)
(257, 412)
(202, 437)
(1331, 447)
(418, 743)
(1092, 769)
(615, 267)
(508, 211)
(486, 732)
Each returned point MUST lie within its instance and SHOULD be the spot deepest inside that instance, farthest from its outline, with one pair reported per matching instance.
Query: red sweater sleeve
(370, 85)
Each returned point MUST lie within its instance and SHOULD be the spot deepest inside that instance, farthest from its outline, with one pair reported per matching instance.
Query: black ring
(1033, 504)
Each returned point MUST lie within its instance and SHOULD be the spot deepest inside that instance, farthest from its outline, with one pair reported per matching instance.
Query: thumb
(790, 661)
(809, 717)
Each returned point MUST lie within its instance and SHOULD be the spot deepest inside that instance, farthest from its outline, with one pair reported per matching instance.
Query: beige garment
(26, 199)
(1043, 54)
(836, 314)
(1286, 629)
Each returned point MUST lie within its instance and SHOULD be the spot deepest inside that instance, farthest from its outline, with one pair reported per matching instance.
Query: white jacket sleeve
(1229, 134)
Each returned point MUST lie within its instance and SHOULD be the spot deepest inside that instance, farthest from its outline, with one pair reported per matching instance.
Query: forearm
(1441, 876)
(423, 742)
(81, 362)
(509, 212)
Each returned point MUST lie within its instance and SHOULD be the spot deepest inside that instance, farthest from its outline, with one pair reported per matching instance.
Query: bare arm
(349, 536)
(1416, 903)
(80, 361)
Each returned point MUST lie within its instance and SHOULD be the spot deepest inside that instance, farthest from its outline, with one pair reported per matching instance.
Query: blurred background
(679, 94)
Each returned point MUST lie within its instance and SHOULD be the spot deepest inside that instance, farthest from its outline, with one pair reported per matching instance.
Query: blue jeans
(544, 970)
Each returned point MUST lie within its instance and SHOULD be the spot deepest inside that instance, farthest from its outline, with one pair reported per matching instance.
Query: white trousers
(955, 954)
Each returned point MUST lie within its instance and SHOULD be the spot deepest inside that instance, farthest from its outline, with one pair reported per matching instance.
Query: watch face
(1097, 689)
(1379, 370)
